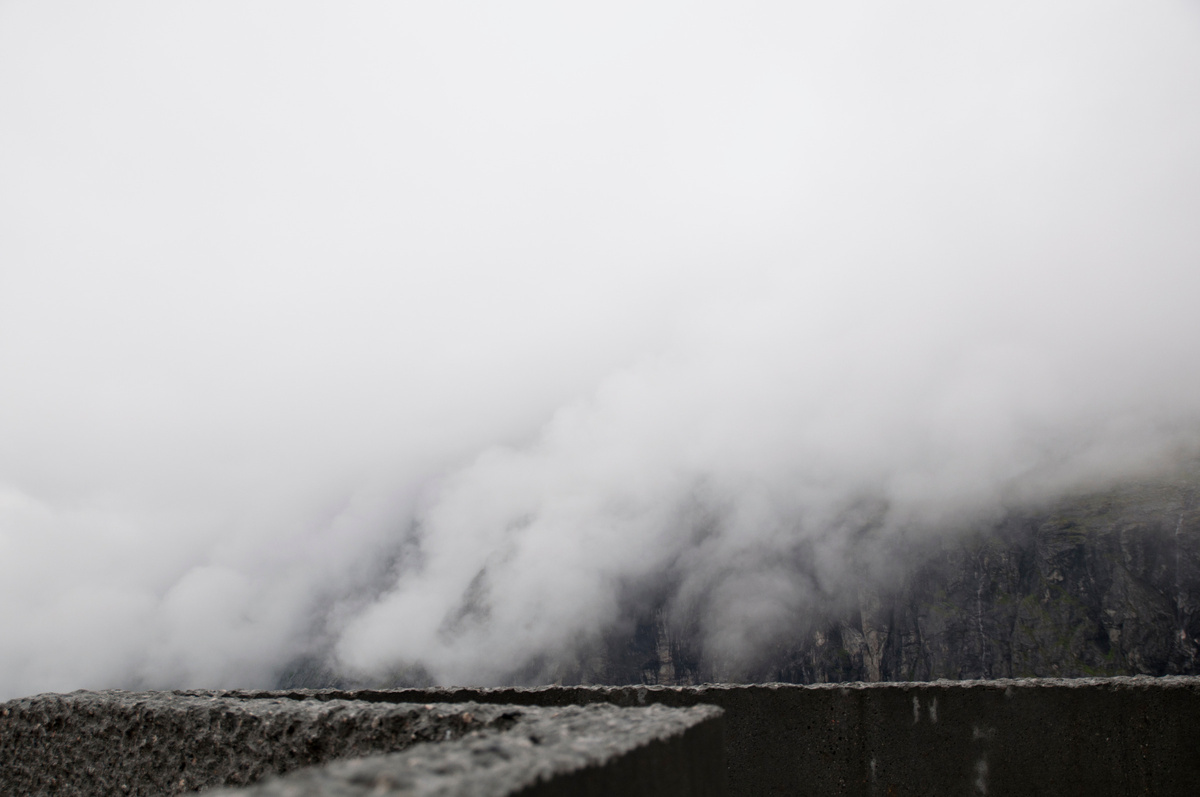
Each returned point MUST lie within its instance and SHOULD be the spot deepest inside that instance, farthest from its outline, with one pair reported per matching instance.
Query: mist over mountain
(1103, 583)
(459, 343)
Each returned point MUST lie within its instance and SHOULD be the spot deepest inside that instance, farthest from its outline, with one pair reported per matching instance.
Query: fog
(411, 335)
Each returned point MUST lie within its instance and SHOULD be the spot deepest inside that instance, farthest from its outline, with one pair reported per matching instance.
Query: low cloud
(410, 339)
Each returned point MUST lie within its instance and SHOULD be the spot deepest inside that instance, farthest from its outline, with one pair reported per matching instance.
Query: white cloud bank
(311, 314)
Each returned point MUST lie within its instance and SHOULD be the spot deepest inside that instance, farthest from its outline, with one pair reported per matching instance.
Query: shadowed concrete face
(162, 743)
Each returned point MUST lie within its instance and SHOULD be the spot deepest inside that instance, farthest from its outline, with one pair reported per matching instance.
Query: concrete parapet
(1086, 736)
(113, 743)
(1101, 736)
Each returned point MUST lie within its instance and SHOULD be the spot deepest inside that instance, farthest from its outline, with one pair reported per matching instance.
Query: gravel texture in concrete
(574, 750)
(161, 743)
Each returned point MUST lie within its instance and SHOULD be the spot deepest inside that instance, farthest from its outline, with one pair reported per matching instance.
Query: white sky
(278, 279)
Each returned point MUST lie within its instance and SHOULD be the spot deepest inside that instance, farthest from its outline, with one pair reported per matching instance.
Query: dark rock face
(1100, 584)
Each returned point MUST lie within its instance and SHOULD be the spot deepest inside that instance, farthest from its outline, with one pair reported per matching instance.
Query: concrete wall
(1103, 736)
(1112, 736)
(118, 743)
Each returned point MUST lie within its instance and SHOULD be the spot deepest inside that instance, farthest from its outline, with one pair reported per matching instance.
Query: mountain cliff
(1106, 583)
(1092, 584)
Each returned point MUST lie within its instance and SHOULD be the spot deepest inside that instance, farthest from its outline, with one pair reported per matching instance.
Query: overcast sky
(287, 288)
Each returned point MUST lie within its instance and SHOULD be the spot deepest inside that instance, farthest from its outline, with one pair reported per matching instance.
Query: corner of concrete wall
(1015, 737)
(1082, 737)
(166, 744)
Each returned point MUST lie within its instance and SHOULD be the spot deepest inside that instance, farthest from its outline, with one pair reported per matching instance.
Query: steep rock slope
(1100, 584)
(1103, 583)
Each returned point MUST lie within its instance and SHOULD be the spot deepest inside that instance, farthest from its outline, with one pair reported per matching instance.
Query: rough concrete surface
(1089, 736)
(576, 750)
(162, 743)
(113, 743)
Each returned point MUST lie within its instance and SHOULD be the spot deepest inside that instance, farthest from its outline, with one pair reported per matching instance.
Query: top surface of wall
(572, 750)
(101, 743)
